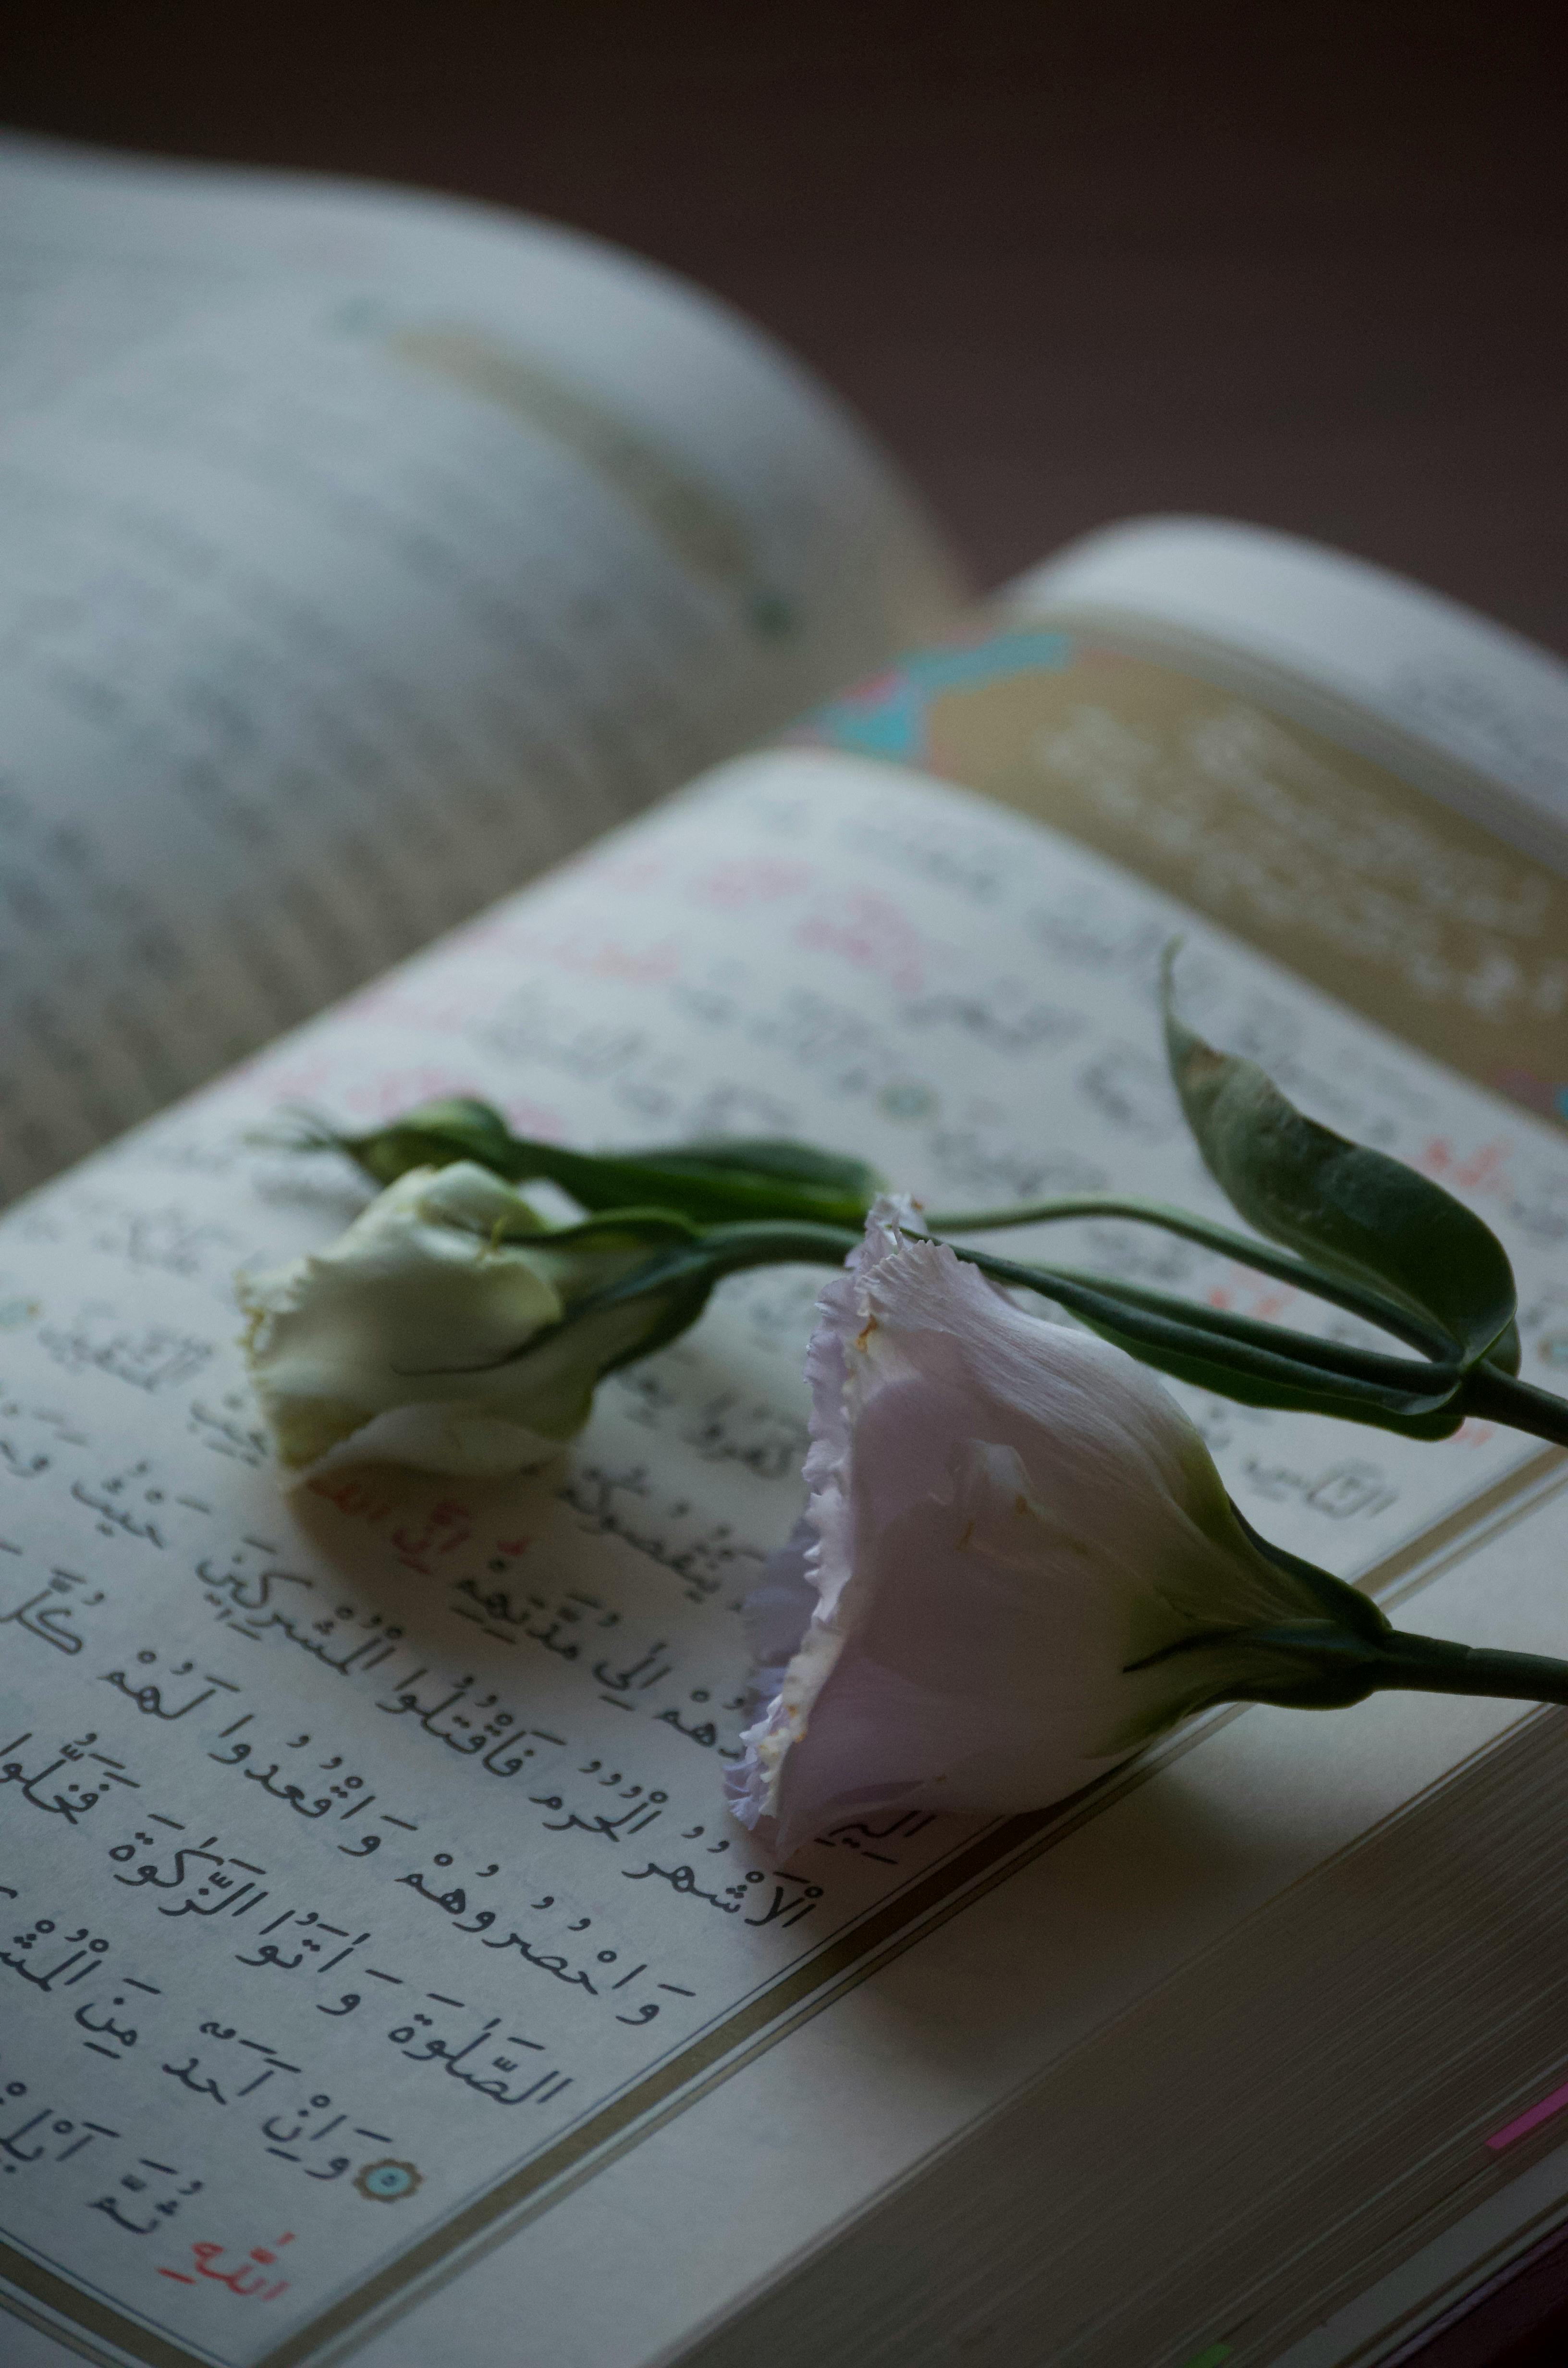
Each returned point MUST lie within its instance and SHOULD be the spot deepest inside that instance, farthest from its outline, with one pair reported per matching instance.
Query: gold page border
(1297, 825)
(1317, 707)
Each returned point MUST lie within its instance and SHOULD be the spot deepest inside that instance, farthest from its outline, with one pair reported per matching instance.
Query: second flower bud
(450, 1330)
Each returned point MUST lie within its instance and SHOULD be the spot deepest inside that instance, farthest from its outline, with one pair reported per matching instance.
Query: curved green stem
(729, 1249)
(725, 1249)
(1238, 1356)
(1182, 1324)
(1488, 1392)
(1355, 1299)
(1170, 1333)
(1265, 1363)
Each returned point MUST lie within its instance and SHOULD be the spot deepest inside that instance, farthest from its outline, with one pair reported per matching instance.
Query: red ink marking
(1483, 1173)
(872, 934)
(730, 887)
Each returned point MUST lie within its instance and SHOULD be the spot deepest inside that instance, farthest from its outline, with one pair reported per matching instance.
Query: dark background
(1071, 260)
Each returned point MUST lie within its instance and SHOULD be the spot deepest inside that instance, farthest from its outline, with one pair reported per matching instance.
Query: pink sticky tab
(1524, 2122)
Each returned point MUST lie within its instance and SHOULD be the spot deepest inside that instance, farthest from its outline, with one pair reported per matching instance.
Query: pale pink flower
(1003, 1515)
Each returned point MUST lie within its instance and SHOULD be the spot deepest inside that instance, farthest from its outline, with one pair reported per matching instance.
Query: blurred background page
(1071, 263)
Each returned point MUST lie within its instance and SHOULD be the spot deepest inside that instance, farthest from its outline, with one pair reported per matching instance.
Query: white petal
(1003, 1515)
(432, 1299)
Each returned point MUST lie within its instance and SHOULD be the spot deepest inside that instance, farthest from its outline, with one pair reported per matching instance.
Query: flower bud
(1018, 1561)
(449, 1329)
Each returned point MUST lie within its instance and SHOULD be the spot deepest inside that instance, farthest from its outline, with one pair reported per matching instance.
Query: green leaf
(1354, 1211)
(762, 1177)
(712, 1182)
(774, 1156)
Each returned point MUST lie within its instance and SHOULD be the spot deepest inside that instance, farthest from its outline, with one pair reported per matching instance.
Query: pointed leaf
(774, 1156)
(770, 1176)
(1340, 1204)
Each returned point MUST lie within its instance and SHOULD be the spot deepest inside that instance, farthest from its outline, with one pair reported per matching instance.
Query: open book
(383, 1976)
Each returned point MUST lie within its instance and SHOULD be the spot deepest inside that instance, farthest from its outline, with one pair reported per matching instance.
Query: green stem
(1496, 1396)
(1355, 1300)
(1082, 1204)
(1488, 1391)
(1164, 1323)
(1265, 1363)
(1430, 1665)
(729, 1249)
(726, 1250)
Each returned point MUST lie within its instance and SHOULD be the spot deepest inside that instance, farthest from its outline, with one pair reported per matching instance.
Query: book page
(1487, 709)
(363, 554)
(369, 1894)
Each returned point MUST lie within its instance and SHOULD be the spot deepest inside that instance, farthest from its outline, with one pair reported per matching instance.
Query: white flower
(1005, 1516)
(418, 1322)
